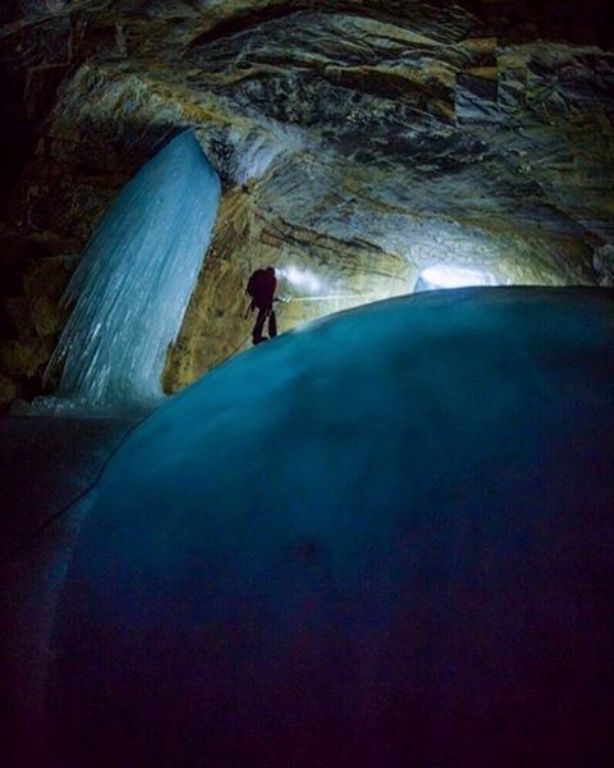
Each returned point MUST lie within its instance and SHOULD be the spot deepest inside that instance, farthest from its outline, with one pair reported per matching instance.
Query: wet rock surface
(416, 132)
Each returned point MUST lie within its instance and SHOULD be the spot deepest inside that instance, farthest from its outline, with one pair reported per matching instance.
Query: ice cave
(383, 537)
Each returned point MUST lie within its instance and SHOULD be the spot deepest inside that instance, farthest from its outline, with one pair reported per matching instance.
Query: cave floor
(47, 463)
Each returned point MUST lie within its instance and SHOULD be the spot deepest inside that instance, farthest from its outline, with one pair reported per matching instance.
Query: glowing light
(301, 279)
(443, 276)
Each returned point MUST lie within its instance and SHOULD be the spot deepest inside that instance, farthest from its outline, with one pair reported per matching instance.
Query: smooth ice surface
(384, 540)
(133, 284)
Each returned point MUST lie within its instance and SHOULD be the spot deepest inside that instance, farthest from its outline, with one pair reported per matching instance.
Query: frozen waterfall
(133, 284)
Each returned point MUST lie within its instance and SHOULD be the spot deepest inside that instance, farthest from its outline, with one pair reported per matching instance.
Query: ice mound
(381, 541)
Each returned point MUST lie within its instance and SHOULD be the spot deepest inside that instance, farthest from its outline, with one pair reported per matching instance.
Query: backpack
(256, 283)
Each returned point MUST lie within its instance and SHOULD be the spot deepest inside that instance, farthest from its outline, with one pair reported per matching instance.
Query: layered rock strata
(358, 141)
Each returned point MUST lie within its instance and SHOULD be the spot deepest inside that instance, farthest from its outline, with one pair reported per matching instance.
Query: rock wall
(218, 323)
(362, 141)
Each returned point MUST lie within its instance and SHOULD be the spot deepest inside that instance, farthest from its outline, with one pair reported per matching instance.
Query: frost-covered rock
(603, 261)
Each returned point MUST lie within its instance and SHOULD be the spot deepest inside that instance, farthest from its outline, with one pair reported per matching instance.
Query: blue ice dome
(383, 540)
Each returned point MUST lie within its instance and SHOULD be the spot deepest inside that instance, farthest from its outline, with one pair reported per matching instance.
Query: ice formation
(134, 282)
(360, 540)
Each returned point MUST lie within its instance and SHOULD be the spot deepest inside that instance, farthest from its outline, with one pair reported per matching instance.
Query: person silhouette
(261, 287)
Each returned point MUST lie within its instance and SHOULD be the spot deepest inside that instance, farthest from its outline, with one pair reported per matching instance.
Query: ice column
(133, 284)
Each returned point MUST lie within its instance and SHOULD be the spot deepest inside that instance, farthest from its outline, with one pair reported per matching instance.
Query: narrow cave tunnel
(383, 538)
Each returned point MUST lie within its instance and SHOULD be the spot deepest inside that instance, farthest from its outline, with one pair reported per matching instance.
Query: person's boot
(272, 325)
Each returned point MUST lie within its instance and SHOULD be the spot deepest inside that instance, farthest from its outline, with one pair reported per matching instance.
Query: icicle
(134, 282)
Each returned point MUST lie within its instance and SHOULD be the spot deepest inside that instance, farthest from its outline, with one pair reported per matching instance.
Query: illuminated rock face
(381, 541)
(362, 142)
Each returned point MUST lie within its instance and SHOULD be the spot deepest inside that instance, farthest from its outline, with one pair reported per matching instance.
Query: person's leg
(272, 324)
(259, 325)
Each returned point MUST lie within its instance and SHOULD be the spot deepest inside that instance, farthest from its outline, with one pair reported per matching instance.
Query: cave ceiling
(476, 132)
(406, 124)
